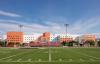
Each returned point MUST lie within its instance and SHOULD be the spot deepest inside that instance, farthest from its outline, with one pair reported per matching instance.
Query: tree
(63, 43)
(98, 43)
(90, 42)
(72, 42)
(3, 43)
(18, 44)
(0, 43)
(10, 44)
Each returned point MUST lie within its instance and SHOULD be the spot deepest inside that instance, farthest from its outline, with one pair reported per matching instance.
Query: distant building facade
(66, 38)
(14, 37)
(28, 38)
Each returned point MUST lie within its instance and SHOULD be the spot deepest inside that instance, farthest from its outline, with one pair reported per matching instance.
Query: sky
(83, 16)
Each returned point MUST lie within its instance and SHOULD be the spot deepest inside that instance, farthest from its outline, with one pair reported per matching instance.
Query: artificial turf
(50, 55)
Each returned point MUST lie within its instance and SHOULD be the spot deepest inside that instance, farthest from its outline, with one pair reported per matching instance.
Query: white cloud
(85, 26)
(10, 14)
(81, 26)
(12, 25)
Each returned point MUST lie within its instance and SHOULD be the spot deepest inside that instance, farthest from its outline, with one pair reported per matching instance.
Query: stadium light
(66, 25)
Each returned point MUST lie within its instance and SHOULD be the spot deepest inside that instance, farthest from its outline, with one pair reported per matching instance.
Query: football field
(44, 55)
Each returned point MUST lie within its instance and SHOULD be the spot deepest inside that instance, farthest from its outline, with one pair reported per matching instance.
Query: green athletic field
(50, 56)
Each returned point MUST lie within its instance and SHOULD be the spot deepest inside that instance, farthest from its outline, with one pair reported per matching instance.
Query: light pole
(20, 27)
(66, 25)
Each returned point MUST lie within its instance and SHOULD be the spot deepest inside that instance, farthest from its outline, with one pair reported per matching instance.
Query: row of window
(14, 40)
(29, 39)
(13, 36)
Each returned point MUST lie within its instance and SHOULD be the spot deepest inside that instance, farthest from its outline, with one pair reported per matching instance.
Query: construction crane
(19, 25)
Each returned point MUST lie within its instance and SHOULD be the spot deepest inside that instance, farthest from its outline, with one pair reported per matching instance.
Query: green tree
(72, 42)
(10, 44)
(64, 43)
(90, 42)
(0, 43)
(98, 43)
(3, 43)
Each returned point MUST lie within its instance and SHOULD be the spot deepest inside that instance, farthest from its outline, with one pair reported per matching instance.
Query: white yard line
(29, 60)
(11, 56)
(14, 55)
(70, 60)
(60, 59)
(49, 55)
(81, 53)
(19, 60)
(87, 55)
(9, 59)
(40, 60)
(82, 60)
(92, 59)
(51, 61)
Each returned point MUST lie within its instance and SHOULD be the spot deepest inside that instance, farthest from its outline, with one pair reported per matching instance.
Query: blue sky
(51, 15)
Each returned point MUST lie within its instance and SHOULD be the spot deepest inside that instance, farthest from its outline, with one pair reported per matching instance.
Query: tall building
(14, 37)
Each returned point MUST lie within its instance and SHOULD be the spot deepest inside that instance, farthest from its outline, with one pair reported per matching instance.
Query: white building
(54, 37)
(31, 37)
(28, 38)
(65, 36)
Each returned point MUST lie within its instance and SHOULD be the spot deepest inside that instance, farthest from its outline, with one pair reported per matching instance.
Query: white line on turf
(19, 60)
(81, 53)
(49, 55)
(9, 59)
(81, 59)
(39, 60)
(51, 61)
(87, 55)
(29, 60)
(92, 59)
(70, 60)
(60, 59)
(13, 55)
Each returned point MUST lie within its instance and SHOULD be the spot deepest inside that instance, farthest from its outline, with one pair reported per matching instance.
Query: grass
(56, 56)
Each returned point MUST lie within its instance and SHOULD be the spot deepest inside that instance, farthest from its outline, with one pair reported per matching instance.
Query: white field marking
(92, 59)
(49, 55)
(51, 61)
(4, 51)
(42, 48)
(29, 60)
(60, 59)
(46, 52)
(81, 59)
(19, 60)
(85, 54)
(12, 56)
(9, 59)
(39, 60)
(70, 60)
